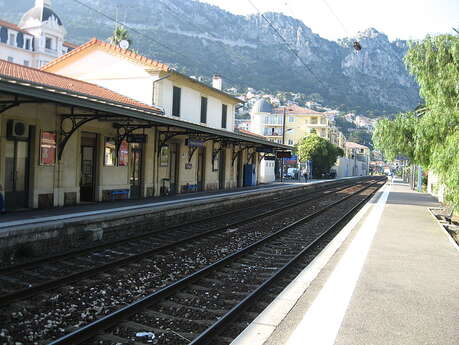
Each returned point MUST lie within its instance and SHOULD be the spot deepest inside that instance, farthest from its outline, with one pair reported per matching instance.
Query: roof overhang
(65, 97)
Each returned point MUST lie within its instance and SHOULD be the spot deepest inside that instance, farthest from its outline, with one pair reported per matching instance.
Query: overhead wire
(293, 51)
(130, 28)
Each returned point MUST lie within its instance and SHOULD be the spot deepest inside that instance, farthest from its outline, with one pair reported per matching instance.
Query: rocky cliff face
(201, 39)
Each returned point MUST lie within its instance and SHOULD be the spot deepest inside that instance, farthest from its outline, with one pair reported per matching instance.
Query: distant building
(357, 160)
(300, 122)
(38, 39)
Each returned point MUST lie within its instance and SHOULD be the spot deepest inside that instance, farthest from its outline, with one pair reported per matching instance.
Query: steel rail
(92, 329)
(52, 284)
(210, 332)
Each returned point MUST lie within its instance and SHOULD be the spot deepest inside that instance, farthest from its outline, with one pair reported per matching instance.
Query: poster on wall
(47, 148)
(216, 161)
(110, 152)
(123, 155)
(164, 156)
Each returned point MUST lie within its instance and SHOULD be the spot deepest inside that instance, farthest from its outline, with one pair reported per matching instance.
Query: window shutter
(176, 101)
(203, 110)
(224, 115)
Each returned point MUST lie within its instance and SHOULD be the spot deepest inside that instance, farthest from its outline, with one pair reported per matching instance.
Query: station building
(66, 141)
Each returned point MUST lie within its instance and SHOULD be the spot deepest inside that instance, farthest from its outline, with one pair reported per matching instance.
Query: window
(176, 101)
(203, 110)
(323, 121)
(10, 59)
(49, 43)
(26, 63)
(224, 115)
(27, 44)
(290, 142)
(313, 120)
(12, 40)
(291, 119)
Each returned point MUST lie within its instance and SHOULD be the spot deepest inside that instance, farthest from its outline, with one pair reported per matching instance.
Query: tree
(119, 34)
(429, 136)
(320, 151)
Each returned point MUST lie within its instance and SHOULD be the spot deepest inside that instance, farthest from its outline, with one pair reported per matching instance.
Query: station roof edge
(66, 97)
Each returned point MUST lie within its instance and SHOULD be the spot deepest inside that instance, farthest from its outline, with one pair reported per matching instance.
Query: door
(16, 174)
(221, 169)
(239, 169)
(135, 170)
(88, 167)
(201, 169)
(173, 168)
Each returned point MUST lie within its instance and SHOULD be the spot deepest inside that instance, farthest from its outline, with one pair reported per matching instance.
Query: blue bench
(115, 192)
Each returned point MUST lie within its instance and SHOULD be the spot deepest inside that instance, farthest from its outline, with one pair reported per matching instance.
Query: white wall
(267, 171)
(190, 107)
(112, 72)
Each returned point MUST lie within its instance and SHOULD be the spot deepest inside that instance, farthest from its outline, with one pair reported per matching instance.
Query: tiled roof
(352, 145)
(71, 45)
(296, 109)
(243, 131)
(36, 76)
(129, 54)
(110, 47)
(12, 26)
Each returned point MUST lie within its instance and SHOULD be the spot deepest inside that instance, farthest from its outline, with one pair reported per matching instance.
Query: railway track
(28, 279)
(194, 309)
(195, 291)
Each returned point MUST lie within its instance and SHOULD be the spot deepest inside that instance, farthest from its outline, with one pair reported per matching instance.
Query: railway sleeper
(130, 326)
(201, 322)
(178, 306)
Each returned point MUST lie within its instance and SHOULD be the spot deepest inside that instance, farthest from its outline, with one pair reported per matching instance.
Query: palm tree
(119, 34)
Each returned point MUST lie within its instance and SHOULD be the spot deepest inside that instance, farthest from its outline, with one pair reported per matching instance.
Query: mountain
(200, 39)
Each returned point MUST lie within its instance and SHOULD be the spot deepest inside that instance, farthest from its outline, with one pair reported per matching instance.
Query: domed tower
(48, 30)
(260, 110)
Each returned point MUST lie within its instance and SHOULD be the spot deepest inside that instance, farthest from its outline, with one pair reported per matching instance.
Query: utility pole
(283, 142)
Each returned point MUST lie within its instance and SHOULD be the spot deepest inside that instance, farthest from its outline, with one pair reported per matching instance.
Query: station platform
(34, 233)
(35, 216)
(389, 278)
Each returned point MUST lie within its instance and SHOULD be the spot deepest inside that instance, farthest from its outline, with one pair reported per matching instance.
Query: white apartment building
(38, 39)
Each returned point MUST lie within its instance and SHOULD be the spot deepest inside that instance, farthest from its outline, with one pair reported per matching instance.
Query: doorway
(16, 174)
(88, 166)
(135, 169)
(239, 169)
(173, 168)
(201, 169)
(221, 169)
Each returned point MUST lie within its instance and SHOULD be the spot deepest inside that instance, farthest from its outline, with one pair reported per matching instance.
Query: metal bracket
(215, 152)
(236, 154)
(6, 105)
(167, 136)
(191, 151)
(76, 122)
(251, 156)
(127, 129)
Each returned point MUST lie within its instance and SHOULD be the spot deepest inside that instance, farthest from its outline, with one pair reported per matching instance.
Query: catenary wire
(144, 35)
(276, 31)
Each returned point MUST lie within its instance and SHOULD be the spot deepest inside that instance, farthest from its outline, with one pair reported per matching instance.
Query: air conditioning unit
(17, 130)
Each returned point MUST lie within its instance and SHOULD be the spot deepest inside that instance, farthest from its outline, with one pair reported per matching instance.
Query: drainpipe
(154, 82)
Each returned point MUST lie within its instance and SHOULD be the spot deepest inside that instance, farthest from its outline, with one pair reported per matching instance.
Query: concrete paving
(393, 281)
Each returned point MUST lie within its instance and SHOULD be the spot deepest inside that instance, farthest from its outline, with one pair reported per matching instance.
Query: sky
(332, 19)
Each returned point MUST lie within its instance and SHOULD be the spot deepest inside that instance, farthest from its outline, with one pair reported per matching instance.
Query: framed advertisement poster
(110, 152)
(47, 148)
(164, 156)
(123, 155)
